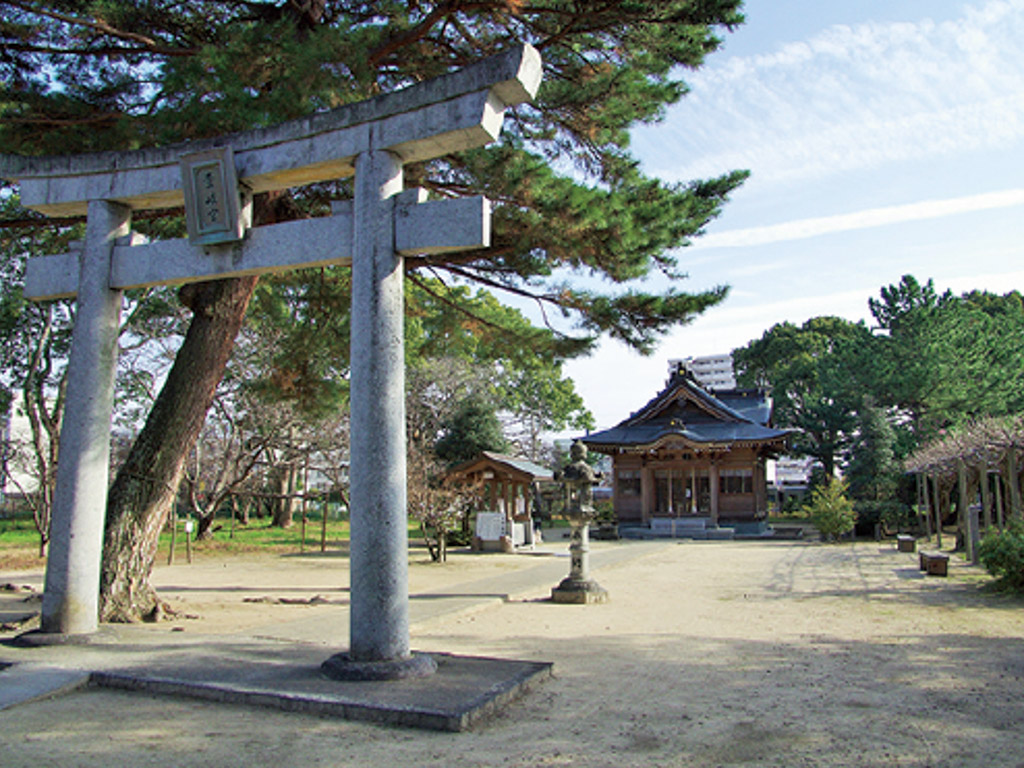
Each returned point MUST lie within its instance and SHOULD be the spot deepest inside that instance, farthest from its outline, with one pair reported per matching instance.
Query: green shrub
(894, 516)
(792, 506)
(604, 511)
(1002, 554)
(830, 510)
(459, 538)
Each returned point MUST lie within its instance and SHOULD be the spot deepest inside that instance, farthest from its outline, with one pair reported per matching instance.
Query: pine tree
(817, 373)
(475, 427)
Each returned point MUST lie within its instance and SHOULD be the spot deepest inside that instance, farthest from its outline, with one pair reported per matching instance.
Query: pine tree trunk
(145, 486)
(143, 492)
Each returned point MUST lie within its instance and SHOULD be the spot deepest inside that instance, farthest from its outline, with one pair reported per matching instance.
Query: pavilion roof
(515, 467)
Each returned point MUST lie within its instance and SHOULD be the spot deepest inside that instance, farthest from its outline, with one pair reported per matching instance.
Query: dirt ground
(709, 654)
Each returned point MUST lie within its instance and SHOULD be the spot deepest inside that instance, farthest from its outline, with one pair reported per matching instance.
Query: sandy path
(710, 653)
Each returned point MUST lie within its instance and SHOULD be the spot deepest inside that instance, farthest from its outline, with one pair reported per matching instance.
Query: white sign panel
(490, 526)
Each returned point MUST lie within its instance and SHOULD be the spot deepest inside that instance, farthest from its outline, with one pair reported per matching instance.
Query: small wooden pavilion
(692, 456)
(504, 487)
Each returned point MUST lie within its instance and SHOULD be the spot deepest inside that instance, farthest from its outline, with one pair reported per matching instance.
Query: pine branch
(415, 33)
(460, 308)
(422, 29)
(539, 299)
(149, 44)
(103, 51)
(105, 117)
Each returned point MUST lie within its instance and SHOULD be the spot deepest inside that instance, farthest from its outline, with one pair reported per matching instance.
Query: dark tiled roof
(750, 404)
(683, 409)
(712, 433)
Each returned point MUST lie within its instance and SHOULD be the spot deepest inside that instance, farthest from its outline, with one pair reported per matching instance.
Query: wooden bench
(934, 563)
(905, 543)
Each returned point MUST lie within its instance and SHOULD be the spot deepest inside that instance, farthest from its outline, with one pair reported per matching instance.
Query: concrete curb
(23, 683)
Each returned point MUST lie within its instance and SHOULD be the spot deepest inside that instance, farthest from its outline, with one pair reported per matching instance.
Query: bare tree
(225, 456)
(439, 508)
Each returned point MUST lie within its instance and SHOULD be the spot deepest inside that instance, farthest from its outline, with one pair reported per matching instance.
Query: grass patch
(18, 531)
(257, 537)
(19, 541)
(19, 544)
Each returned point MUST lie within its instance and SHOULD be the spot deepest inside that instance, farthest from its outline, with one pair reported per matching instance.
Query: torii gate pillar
(70, 602)
(379, 607)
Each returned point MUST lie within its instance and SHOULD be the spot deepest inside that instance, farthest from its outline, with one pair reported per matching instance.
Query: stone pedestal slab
(580, 592)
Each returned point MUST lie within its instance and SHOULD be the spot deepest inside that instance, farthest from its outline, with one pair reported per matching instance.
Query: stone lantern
(578, 479)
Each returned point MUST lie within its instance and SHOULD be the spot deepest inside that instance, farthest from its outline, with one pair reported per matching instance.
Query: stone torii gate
(372, 140)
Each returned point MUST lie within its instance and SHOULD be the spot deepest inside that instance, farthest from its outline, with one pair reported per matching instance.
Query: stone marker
(372, 140)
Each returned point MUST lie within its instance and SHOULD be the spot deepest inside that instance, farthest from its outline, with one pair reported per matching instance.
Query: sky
(883, 137)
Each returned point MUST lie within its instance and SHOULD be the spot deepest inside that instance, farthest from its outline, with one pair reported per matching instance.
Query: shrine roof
(687, 411)
(501, 461)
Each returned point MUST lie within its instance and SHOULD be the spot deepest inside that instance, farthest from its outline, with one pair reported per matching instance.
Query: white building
(15, 474)
(711, 371)
(793, 472)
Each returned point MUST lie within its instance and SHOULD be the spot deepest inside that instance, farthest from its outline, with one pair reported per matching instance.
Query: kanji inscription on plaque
(213, 209)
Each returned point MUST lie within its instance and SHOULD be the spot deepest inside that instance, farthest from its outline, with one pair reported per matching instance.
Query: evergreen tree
(117, 74)
(938, 361)
(817, 376)
(948, 359)
(475, 427)
(830, 510)
(872, 470)
(459, 350)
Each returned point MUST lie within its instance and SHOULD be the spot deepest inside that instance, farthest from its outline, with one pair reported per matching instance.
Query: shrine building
(504, 488)
(693, 459)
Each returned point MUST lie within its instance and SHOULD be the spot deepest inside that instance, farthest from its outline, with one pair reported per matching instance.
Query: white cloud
(995, 282)
(752, 270)
(872, 217)
(853, 97)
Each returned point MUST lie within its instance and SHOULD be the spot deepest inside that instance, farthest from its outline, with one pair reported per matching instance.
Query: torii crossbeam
(372, 140)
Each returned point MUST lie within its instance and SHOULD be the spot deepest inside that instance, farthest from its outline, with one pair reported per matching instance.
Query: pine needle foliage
(577, 223)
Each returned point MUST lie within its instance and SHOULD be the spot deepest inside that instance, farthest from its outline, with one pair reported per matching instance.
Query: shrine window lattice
(734, 481)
